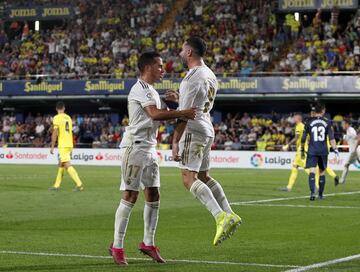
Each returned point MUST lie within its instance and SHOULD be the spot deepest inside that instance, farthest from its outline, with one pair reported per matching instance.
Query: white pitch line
(144, 259)
(301, 206)
(289, 198)
(318, 265)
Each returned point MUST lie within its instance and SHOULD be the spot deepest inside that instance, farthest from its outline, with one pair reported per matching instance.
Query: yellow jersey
(299, 131)
(63, 123)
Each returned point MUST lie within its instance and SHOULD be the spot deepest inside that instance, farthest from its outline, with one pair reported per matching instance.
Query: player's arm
(332, 139)
(165, 114)
(292, 141)
(178, 132)
(54, 136)
(303, 140)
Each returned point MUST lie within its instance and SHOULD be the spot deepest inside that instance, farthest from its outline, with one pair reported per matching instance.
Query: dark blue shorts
(316, 160)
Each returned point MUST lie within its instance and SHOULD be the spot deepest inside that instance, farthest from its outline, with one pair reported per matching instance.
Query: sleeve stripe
(191, 74)
(144, 85)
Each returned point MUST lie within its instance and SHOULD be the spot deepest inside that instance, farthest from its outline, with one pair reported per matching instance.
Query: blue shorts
(316, 160)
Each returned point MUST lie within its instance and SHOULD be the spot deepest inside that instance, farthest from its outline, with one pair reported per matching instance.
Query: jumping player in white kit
(193, 139)
(139, 169)
(354, 150)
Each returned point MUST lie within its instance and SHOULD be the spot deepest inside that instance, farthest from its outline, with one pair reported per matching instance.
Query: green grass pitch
(275, 235)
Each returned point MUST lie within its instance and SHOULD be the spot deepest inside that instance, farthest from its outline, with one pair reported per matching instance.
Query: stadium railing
(176, 75)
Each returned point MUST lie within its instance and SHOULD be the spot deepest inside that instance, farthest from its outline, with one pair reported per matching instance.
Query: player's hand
(175, 152)
(172, 96)
(189, 113)
(285, 147)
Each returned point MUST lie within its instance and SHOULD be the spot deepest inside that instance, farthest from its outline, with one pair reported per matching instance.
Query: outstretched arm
(164, 114)
(292, 141)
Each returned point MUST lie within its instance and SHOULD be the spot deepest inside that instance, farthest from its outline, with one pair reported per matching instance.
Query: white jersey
(350, 137)
(198, 89)
(142, 130)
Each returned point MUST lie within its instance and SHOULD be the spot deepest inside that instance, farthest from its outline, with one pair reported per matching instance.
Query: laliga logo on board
(257, 160)
(99, 157)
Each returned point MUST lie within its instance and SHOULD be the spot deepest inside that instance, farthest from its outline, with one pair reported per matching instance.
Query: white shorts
(139, 168)
(353, 156)
(195, 152)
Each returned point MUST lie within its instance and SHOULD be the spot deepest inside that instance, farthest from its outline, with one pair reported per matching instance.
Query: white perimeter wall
(112, 157)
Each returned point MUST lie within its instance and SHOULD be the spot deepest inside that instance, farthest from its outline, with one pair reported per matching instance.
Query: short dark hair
(319, 107)
(60, 105)
(198, 44)
(298, 113)
(147, 58)
(347, 121)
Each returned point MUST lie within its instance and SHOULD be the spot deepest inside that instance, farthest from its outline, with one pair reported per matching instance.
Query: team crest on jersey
(149, 95)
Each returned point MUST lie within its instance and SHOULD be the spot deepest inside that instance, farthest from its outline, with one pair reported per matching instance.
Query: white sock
(121, 221)
(151, 216)
(203, 193)
(344, 174)
(219, 195)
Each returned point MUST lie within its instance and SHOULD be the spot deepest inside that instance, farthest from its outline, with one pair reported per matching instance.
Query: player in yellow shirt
(298, 162)
(62, 133)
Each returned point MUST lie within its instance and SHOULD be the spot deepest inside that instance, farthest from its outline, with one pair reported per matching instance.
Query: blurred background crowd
(235, 131)
(105, 37)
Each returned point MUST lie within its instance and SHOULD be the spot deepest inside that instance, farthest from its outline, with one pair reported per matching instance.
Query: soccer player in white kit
(193, 139)
(354, 150)
(139, 167)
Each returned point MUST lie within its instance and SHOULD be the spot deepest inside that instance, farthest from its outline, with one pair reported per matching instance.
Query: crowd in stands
(234, 132)
(241, 35)
(321, 45)
(263, 132)
(105, 38)
(89, 130)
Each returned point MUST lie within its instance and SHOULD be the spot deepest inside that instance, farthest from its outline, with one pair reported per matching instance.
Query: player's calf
(312, 185)
(321, 186)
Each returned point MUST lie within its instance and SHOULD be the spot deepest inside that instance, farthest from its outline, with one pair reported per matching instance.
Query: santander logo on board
(99, 157)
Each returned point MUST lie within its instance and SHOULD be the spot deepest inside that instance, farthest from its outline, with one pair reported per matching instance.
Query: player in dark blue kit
(318, 128)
